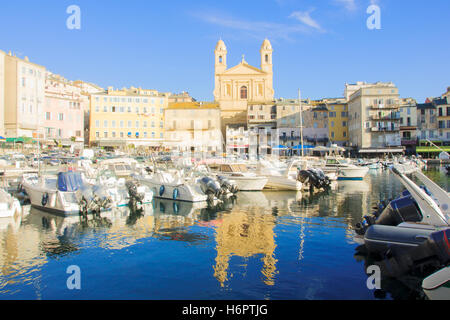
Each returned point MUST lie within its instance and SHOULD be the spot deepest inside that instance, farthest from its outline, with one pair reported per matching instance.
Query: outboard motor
(210, 187)
(226, 185)
(315, 177)
(135, 196)
(428, 257)
(403, 209)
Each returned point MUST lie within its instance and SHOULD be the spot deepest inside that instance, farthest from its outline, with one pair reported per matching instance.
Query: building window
(129, 123)
(113, 123)
(243, 92)
(61, 116)
(344, 134)
(105, 109)
(137, 124)
(344, 123)
(121, 123)
(97, 123)
(105, 134)
(105, 124)
(97, 134)
(113, 134)
(121, 134)
(48, 116)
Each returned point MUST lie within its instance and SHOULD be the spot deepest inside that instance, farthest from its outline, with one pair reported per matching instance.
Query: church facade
(242, 85)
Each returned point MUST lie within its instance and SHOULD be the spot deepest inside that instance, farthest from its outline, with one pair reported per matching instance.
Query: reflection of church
(245, 235)
(242, 84)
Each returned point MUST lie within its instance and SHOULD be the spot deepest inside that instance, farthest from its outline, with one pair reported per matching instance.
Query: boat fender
(161, 190)
(175, 193)
(44, 199)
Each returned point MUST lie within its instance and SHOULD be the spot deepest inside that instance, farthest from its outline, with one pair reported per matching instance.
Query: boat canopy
(69, 181)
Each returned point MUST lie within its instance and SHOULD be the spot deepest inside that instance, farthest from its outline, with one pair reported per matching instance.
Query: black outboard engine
(210, 187)
(226, 185)
(135, 197)
(403, 209)
(316, 178)
(428, 257)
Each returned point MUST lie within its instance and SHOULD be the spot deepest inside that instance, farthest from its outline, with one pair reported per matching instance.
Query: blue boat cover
(69, 181)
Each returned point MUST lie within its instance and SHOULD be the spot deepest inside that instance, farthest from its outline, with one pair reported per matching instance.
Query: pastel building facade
(63, 116)
(193, 127)
(127, 116)
(2, 93)
(236, 87)
(24, 95)
(374, 119)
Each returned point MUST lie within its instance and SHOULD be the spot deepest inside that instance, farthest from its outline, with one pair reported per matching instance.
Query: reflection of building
(245, 234)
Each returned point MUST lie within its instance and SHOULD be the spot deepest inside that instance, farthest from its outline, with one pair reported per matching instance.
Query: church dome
(266, 45)
(221, 46)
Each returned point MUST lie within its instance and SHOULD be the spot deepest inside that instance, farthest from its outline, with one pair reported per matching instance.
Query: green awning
(21, 140)
(433, 149)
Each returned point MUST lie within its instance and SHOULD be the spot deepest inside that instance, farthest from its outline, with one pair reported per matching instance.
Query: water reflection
(272, 236)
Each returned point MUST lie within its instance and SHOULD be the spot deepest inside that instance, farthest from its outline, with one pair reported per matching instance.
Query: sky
(319, 45)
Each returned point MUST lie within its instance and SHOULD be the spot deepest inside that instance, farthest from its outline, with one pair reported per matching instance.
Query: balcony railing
(391, 117)
(385, 129)
(385, 106)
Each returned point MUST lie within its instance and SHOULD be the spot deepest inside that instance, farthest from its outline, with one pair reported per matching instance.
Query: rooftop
(193, 105)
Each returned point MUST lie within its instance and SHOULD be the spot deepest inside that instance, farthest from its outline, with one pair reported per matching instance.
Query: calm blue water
(265, 245)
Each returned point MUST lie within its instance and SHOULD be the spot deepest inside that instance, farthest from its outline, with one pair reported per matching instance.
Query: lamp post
(301, 120)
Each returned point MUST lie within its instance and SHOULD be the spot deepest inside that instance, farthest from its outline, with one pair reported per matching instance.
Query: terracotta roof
(193, 105)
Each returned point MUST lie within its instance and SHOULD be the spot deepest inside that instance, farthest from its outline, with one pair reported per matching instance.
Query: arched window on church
(220, 59)
(243, 92)
(267, 58)
(228, 89)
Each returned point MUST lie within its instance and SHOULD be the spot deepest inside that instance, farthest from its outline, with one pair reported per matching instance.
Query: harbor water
(260, 245)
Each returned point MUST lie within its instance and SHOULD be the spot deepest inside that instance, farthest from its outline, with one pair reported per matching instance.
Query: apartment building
(237, 140)
(443, 118)
(193, 127)
(427, 123)
(408, 124)
(24, 94)
(337, 121)
(127, 116)
(180, 97)
(2, 93)
(374, 119)
(63, 114)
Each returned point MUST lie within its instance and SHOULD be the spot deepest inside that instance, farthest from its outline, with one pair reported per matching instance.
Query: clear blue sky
(168, 45)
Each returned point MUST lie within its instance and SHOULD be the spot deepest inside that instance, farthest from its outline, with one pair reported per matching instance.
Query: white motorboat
(245, 180)
(8, 204)
(122, 167)
(437, 285)
(52, 193)
(172, 185)
(280, 178)
(345, 170)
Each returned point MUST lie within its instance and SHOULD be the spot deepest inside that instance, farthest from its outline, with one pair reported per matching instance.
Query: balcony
(384, 106)
(391, 117)
(385, 129)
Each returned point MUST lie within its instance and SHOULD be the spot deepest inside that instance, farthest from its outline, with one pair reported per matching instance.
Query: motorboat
(437, 285)
(406, 221)
(56, 193)
(245, 180)
(280, 178)
(8, 204)
(121, 191)
(171, 184)
(345, 170)
(122, 167)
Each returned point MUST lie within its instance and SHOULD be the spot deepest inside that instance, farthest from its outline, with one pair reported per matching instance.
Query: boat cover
(69, 181)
